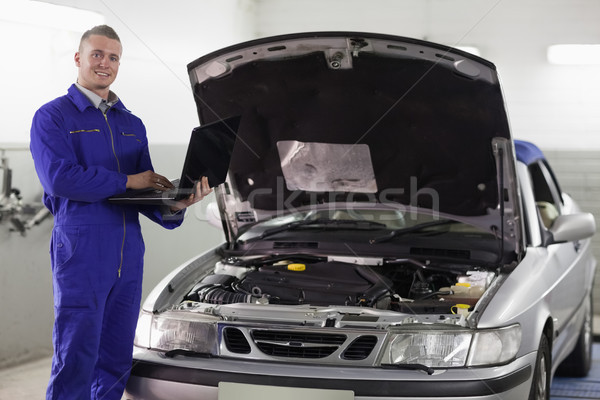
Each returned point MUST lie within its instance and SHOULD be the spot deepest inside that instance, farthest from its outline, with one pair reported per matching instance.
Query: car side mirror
(572, 227)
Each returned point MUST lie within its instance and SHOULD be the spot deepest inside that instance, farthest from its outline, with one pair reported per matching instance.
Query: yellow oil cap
(464, 284)
(296, 267)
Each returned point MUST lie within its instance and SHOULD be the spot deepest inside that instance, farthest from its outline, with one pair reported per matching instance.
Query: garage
(402, 193)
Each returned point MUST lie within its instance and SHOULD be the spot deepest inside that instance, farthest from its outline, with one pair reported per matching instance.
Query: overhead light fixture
(574, 54)
(48, 15)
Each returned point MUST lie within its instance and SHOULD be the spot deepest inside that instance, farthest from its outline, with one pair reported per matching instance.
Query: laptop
(208, 154)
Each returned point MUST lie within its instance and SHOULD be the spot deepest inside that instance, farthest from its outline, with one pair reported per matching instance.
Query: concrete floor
(28, 381)
(25, 382)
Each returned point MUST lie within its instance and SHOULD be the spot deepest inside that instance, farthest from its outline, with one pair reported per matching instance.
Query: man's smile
(98, 62)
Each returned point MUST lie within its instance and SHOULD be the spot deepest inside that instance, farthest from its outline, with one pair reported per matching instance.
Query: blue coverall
(82, 157)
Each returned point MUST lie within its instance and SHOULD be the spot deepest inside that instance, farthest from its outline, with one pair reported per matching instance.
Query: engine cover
(319, 284)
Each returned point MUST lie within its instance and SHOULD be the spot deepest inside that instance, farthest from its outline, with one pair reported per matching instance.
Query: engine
(404, 286)
(319, 284)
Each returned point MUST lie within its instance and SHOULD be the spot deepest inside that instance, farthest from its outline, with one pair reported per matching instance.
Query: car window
(546, 192)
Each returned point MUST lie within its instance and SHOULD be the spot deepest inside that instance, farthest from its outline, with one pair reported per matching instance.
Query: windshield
(373, 233)
(382, 225)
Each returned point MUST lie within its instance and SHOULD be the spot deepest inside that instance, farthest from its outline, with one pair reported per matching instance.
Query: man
(86, 147)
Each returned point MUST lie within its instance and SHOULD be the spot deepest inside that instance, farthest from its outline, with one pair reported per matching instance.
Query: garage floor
(582, 388)
(28, 381)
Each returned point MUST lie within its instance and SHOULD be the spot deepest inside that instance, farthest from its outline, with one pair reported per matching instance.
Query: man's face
(98, 61)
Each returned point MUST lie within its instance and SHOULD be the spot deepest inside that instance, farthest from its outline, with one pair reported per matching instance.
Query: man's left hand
(201, 190)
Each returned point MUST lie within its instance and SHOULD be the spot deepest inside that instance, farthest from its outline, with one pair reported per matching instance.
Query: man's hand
(201, 190)
(148, 179)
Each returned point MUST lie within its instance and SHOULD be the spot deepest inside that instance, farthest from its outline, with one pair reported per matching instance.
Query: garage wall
(25, 282)
(153, 83)
(159, 39)
(27, 312)
(547, 104)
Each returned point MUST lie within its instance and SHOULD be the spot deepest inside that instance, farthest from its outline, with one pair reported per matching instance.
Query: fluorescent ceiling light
(470, 49)
(574, 54)
(49, 15)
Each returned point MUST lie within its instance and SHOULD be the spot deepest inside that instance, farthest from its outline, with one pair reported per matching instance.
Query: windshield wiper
(411, 229)
(337, 223)
(420, 367)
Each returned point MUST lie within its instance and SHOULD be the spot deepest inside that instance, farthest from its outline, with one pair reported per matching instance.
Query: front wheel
(579, 362)
(540, 386)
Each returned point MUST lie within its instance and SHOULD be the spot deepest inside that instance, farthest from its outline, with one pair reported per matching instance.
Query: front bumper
(155, 377)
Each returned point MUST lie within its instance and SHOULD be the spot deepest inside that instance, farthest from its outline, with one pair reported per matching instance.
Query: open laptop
(208, 154)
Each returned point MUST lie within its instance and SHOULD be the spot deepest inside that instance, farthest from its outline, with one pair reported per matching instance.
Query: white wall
(159, 39)
(555, 106)
(545, 102)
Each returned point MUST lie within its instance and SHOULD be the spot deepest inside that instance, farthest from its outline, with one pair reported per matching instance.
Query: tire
(540, 385)
(578, 363)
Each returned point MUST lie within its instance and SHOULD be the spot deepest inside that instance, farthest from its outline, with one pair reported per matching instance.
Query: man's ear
(77, 59)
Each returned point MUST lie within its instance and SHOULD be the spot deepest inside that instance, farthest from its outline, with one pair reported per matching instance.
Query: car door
(565, 262)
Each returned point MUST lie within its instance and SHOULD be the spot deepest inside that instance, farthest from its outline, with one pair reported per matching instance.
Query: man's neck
(95, 97)
(102, 93)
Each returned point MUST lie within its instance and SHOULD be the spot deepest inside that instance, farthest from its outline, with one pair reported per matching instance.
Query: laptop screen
(209, 153)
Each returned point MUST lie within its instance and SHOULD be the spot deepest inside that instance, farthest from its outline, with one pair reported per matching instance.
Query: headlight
(495, 346)
(441, 348)
(177, 331)
(448, 347)
(142, 330)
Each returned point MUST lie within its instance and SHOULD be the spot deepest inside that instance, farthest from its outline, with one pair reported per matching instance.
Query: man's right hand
(148, 179)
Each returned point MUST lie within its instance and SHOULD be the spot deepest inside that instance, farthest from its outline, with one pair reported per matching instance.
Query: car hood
(361, 118)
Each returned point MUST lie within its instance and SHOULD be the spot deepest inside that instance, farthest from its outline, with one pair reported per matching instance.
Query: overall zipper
(112, 142)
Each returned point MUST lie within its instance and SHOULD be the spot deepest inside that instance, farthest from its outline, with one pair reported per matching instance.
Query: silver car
(386, 238)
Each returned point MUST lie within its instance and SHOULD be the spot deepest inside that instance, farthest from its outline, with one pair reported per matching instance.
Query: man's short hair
(101, 30)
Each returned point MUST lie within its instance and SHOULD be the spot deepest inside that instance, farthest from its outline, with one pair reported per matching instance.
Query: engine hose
(218, 295)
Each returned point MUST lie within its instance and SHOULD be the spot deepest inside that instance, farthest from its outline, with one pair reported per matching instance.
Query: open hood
(339, 117)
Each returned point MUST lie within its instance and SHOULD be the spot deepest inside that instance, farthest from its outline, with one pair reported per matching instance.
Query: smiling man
(86, 147)
(98, 60)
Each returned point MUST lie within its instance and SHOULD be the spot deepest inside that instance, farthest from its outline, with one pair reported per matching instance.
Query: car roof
(527, 152)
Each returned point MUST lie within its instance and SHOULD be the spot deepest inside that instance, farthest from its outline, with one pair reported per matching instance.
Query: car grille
(360, 348)
(236, 341)
(300, 345)
(295, 344)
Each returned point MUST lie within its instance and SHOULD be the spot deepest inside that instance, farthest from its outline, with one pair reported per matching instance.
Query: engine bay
(405, 285)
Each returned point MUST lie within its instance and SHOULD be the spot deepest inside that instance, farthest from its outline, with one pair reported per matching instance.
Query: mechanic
(86, 147)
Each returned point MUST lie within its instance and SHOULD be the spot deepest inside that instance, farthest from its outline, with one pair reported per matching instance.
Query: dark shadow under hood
(372, 118)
